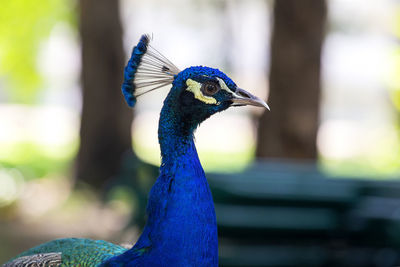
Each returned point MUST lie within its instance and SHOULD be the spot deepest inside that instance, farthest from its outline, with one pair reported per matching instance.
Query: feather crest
(147, 70)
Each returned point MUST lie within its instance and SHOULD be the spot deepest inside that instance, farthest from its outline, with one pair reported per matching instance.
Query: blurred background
(314, 182)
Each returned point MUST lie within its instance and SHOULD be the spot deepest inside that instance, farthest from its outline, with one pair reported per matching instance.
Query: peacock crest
(147, 70)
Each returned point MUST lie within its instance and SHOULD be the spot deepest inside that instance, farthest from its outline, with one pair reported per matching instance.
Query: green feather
(78, 251)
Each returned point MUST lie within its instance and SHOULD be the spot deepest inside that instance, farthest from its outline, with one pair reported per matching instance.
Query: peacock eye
(209, 89)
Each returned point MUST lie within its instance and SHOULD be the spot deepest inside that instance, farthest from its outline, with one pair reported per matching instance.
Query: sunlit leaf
(24, 24)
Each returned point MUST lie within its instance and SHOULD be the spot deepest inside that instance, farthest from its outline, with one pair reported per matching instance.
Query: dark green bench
(288, 214)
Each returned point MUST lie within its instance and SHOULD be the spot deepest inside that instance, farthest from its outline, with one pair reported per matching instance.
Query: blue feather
(147, 69)
(128, 87)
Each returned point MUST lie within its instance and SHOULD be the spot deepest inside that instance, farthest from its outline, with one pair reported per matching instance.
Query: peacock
(181, 228)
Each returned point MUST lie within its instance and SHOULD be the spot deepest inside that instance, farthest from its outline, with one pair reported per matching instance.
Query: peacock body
(181, 228)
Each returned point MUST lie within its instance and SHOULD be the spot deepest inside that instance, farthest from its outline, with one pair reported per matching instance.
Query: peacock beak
(242, 97)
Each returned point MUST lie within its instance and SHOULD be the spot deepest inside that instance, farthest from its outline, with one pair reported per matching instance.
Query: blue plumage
(128, 87)
(202, 73)
(181, 229)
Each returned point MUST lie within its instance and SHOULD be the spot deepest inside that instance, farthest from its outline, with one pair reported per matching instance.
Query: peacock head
(196, 93)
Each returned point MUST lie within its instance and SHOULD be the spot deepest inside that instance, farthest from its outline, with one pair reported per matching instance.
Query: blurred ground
(49, 210)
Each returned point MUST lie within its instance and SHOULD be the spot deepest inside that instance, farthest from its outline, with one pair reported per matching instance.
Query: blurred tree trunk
(290, 129)
(106, 119)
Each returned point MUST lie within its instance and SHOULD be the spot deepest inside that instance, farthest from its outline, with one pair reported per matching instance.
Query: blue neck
(181, 228)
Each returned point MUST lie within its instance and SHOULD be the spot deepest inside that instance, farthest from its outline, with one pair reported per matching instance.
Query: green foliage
(34, 161)
(394, 79)
(23, 26)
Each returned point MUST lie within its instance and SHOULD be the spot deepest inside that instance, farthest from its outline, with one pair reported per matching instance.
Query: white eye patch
(194, 87)
(223, 85)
